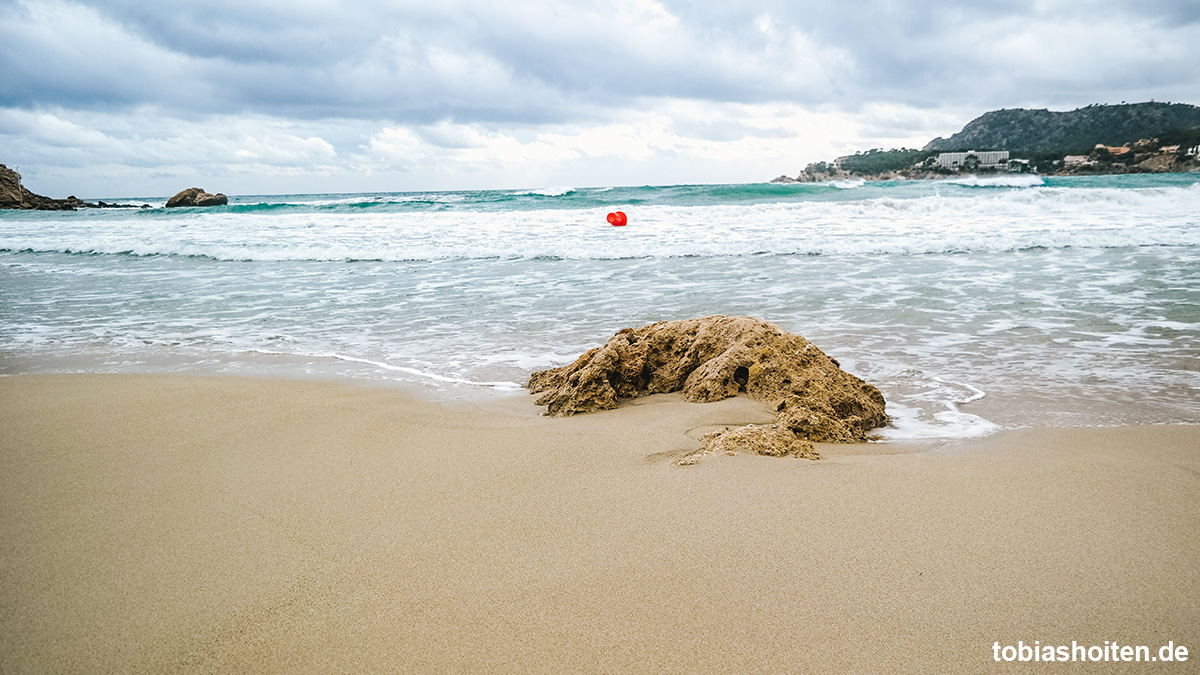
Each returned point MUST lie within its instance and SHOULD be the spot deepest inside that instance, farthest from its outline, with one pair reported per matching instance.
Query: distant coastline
(1096, 140)
(1093, 164)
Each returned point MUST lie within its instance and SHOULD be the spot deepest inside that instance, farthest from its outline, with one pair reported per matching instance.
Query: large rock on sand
(197, 197)
(714, 358)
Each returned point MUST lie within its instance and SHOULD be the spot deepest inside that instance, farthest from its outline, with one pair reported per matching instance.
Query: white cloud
(474, 93)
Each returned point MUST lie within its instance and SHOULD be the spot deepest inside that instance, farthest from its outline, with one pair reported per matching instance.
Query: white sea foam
(910, 423)
(551, 191)
(992, 221)
(849, 184)
(1017, 180)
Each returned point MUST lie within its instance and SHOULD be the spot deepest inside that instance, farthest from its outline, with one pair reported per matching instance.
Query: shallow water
(971, 304)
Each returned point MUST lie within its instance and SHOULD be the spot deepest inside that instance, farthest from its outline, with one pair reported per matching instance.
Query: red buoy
(618, 218)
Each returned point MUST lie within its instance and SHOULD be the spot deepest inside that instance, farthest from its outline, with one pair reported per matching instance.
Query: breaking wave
(1020, 180)
(995, 220)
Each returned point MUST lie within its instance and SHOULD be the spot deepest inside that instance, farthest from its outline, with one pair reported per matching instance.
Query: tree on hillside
(1186, 139)
(1074, 132)
(878, 161)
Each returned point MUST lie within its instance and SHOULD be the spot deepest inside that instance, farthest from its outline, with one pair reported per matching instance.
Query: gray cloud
(320, 86)
(547, 62)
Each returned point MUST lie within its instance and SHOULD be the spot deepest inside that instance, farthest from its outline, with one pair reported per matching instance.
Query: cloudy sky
(146, 97)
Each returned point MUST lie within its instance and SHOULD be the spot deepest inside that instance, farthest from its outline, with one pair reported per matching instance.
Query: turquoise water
(974, 304)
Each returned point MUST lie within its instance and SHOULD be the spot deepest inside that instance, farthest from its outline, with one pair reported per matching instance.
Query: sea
(974, 304)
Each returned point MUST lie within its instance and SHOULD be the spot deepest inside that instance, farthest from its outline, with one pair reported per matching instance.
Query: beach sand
(167, 524)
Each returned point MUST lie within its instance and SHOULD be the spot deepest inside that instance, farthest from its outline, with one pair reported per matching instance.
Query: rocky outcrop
(196, 197)
(1165, 163)
(714, 358)
(13, 195)
(11, 191)
(1145, 156)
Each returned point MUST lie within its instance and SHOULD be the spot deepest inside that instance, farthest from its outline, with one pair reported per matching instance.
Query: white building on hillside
(988, 159)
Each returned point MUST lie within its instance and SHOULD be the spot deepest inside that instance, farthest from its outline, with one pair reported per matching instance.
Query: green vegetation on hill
(1127, 138)
(1067, 133)
(880, 161)
(1184, 138)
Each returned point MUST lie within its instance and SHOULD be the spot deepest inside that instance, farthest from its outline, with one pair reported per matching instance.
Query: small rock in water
(196, 197)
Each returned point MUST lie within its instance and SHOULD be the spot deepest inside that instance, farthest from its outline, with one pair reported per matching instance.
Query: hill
(1072, 132)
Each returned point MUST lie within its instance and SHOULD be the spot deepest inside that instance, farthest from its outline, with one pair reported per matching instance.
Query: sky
(127, 98)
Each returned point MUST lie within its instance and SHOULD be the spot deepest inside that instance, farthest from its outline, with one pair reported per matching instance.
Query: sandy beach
(158, 524)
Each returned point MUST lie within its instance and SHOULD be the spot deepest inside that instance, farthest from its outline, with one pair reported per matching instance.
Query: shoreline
(175, 523)
(974, 419)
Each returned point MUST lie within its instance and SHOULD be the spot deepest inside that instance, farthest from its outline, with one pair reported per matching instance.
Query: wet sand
(200, 524)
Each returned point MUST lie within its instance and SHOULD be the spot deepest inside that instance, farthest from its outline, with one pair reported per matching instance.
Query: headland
(1095, 140)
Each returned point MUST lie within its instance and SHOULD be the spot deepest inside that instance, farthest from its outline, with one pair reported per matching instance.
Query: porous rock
(772, 440)
(714, 358)
(196, 197)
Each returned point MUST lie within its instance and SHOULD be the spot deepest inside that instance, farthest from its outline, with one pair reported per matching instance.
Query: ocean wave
(1019, 180)
(259, 207)
(335, 254)
(987, 220)
(550, 191)
(848, 184)
(338, 202)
